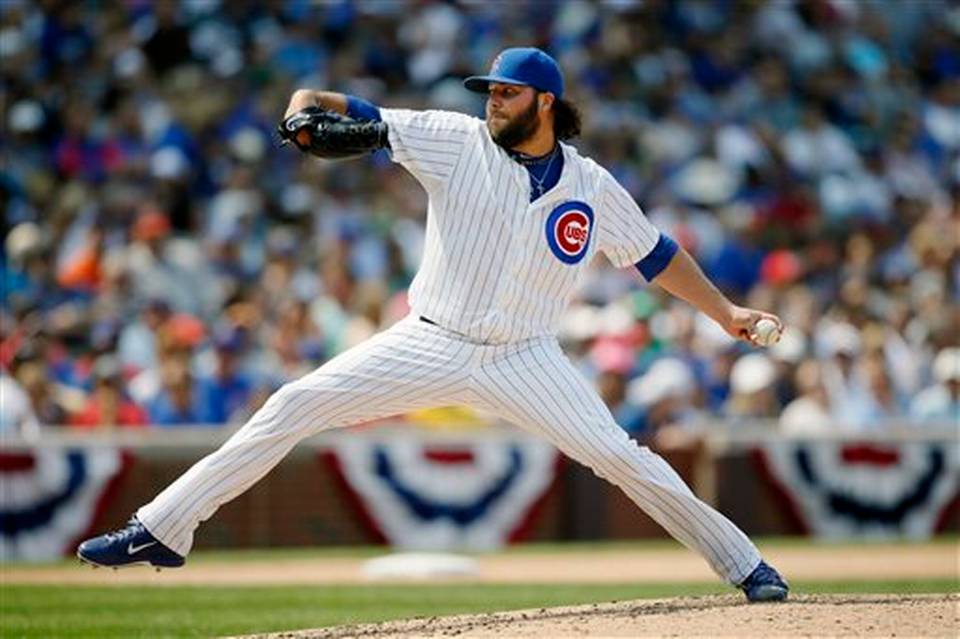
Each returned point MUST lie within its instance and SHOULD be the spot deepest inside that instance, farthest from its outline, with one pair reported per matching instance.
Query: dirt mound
(717, 616)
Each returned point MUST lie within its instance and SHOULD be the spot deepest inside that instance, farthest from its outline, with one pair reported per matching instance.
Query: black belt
(428, 320)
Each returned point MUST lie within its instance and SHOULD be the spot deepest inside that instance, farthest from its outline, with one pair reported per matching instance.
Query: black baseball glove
(331, 135)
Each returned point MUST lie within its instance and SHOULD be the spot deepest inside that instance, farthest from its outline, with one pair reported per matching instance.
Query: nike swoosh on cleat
(131, 549)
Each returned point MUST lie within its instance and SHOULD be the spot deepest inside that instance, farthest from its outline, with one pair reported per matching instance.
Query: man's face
(512, 114)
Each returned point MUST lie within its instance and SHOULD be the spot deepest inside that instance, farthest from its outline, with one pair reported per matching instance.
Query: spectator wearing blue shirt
(177, 403)
(226, 393)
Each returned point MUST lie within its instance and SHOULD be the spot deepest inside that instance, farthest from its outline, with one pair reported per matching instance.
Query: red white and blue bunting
(49, 498)
(419, 493)
(841, 489)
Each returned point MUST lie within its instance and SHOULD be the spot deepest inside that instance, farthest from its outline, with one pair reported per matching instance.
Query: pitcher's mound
(716, 616)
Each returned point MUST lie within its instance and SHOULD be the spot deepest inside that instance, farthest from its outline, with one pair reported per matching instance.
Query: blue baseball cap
(526, 66)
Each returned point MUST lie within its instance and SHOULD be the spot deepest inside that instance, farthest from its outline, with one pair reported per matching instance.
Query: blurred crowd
(164, 262)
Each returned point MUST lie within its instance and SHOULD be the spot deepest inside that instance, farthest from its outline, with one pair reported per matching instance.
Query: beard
(520, 129)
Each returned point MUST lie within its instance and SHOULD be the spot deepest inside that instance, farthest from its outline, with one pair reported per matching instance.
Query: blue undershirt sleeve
(360, 109)
(657, 259)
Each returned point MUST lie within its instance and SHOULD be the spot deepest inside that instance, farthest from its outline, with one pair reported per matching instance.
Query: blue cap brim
(481, 83)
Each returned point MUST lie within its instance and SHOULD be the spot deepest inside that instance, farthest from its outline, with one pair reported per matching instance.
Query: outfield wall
(478, 489)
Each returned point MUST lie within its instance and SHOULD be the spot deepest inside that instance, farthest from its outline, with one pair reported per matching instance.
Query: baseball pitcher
(515, 215)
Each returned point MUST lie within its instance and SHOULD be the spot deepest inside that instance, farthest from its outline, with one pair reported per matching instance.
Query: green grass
(103, 612)
(209, 611)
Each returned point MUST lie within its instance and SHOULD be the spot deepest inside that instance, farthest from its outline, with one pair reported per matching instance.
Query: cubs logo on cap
(568, 231)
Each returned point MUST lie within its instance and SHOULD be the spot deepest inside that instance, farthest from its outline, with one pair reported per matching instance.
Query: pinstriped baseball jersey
(496, 267)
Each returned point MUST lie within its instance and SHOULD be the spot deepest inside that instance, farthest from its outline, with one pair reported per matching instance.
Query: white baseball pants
(418, 365)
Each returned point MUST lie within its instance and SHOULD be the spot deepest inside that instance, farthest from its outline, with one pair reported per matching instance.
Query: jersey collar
(564, 186)
(559, 191)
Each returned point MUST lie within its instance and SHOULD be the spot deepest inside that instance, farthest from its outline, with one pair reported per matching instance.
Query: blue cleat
(764, 584)
(130, 546)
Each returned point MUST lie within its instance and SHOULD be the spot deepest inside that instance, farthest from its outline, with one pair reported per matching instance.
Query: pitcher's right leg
(538, 388)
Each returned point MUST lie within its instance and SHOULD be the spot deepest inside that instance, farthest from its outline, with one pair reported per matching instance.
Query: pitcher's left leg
(410, 365)
(536, 387)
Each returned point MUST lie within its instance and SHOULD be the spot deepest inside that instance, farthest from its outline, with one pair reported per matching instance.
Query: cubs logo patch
(568, 231)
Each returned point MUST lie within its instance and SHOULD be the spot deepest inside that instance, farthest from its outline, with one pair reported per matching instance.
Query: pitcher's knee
(610, 460)
(627, 461)
(292, 406)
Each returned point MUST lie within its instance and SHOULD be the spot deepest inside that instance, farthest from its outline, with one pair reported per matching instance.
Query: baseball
(766, 332)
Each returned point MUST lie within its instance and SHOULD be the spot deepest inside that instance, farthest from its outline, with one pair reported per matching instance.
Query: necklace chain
(538, 182)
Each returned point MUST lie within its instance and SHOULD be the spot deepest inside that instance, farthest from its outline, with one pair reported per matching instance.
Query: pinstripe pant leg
(404, 368)
(538, 388)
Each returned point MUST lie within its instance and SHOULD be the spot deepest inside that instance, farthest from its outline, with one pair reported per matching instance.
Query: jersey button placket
(522, 242)
(514, 255)
(509, 271)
